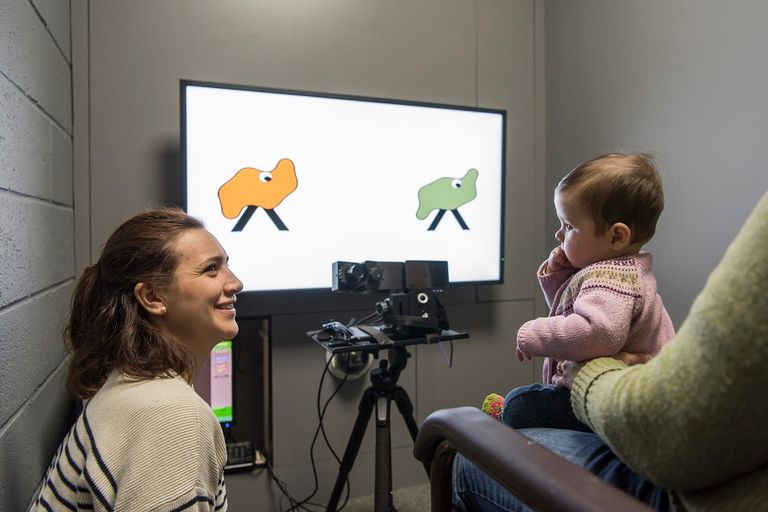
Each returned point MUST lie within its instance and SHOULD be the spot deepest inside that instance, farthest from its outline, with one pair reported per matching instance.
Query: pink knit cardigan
(605, 308)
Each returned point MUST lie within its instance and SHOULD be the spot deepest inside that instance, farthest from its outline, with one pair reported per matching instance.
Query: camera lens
(354, 274)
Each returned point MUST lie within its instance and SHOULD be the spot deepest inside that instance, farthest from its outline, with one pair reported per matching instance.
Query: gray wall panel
(683, 80)
(505, 80)
(485, 363)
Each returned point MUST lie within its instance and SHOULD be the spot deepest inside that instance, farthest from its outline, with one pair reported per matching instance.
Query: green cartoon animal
(446, 194)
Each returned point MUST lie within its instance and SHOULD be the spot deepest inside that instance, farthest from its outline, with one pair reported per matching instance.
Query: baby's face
(578, 232)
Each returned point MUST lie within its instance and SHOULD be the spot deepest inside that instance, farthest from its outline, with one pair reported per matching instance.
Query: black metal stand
(378, 396)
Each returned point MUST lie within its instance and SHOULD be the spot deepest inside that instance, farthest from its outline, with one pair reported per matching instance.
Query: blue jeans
(537, 406)
(474, 490)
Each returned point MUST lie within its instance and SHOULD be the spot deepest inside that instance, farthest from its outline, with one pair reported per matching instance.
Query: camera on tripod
(410, 314)
(412, 307)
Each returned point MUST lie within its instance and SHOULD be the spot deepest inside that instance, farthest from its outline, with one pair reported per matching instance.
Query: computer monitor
(221, 382)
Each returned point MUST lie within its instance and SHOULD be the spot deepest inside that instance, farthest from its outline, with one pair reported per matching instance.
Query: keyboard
(240, 455)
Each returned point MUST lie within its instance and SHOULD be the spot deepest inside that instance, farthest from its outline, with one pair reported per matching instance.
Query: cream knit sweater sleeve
(697, 414)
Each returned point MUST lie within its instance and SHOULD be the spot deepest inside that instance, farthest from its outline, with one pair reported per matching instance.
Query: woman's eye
(213, 267)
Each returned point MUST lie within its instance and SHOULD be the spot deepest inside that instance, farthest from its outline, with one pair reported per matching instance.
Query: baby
(597, 283)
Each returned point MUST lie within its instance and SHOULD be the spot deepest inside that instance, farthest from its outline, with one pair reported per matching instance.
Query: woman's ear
(621, 236)
(148, 298)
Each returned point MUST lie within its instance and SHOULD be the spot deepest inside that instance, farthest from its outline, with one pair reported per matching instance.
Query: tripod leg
(383, 477)
(365, 409)
(404, 405)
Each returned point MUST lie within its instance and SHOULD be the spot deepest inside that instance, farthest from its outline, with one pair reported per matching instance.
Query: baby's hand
(521, 356)
(557, 260)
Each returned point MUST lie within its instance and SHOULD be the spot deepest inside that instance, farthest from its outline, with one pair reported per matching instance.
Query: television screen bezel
(184, 83)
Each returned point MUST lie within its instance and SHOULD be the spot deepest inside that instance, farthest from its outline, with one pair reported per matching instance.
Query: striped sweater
(150, 445)
(604, 308)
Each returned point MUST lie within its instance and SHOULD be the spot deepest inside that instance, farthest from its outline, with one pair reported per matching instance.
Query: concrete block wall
(36, 239)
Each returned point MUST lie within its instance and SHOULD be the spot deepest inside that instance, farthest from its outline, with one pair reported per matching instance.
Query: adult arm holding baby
(693, 419)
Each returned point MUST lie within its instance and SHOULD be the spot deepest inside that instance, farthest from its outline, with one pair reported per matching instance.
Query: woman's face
(200, 303)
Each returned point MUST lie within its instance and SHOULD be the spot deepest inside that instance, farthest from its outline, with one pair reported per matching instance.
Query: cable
(367, 317)
(283, 488)
(321, 427)
(448, 358)
(294, 504)
(320, 416)
(321, 413)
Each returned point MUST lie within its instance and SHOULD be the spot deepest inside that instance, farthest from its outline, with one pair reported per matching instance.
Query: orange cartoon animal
(251, 188)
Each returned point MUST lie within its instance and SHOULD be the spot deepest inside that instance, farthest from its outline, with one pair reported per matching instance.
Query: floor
(407, 499)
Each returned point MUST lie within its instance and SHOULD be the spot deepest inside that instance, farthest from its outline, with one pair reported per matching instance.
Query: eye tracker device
(389, 276)
(411, 309)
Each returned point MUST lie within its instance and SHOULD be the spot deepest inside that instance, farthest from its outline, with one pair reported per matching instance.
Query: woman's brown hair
(107, 328)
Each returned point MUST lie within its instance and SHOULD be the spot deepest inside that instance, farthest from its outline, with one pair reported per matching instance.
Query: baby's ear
(621, 236)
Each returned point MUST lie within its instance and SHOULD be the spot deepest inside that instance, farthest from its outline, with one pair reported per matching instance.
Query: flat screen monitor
(290, 182)
(221, 382)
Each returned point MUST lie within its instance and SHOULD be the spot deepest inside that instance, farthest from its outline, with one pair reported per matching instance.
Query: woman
(142, 320)
(691, 422)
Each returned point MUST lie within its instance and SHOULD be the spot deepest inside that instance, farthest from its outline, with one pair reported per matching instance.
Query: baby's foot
(493, 405)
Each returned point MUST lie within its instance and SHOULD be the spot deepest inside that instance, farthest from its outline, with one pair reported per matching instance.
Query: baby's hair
(619, 187)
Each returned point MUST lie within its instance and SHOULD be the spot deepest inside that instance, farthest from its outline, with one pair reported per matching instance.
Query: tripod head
(412, 314)
(385, 376)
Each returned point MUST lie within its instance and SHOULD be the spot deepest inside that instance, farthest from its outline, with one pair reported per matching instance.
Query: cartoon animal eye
(265, 177)
(456, 183)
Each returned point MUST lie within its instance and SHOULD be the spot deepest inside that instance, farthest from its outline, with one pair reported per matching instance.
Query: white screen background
(359, 167)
